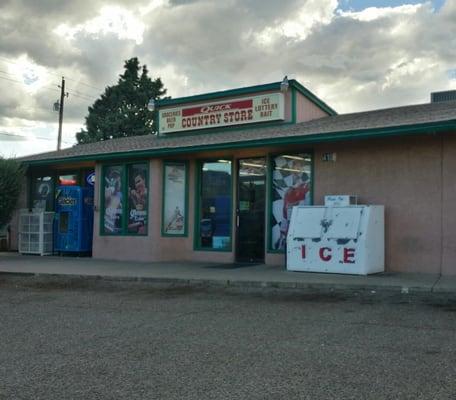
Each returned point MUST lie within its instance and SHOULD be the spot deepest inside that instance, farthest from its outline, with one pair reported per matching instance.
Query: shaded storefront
(219, 180)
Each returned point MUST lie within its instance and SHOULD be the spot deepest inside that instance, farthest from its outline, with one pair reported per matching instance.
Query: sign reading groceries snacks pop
(246, 110)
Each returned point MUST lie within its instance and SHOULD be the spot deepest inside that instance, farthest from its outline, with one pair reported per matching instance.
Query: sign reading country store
(240, 111)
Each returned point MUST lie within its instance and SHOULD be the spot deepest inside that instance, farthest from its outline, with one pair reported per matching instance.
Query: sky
(356, 55)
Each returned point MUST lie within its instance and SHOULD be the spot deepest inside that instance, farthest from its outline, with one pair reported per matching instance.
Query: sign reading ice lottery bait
(246, 110)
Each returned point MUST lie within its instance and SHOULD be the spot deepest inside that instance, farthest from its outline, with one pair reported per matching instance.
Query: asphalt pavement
(184, 342)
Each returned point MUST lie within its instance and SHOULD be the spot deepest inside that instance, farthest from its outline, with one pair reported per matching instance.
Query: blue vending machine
(73, 219)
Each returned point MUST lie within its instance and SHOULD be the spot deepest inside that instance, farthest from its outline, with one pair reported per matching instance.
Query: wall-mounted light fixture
(284, 84)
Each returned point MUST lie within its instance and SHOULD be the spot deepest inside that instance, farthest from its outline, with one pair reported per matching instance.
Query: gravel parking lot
(59, 342)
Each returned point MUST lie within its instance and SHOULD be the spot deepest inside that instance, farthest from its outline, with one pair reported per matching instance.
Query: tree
(11, 183)
(122, 109)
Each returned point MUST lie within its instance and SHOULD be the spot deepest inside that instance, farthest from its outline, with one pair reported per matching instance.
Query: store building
(219, 180)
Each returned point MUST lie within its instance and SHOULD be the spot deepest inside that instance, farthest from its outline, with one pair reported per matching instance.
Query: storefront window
(215, 205)
(113, 199)
(137, 198)
(43, 193)
(174, 218)
(125, 199)
(291, 186)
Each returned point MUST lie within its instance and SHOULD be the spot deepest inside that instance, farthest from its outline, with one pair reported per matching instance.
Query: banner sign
(247, 110)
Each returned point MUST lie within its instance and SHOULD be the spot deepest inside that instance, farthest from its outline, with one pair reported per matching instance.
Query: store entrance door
(251, 201)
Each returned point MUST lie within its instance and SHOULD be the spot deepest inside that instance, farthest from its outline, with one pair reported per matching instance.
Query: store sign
(247, 110)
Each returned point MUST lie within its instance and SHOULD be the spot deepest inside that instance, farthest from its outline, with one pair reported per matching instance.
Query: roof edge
(413, 129)
(247, 90)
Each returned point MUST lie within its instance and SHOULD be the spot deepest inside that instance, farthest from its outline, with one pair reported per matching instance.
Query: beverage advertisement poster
(291, 186)
(174, 199)
(113, 200)
(137, 198)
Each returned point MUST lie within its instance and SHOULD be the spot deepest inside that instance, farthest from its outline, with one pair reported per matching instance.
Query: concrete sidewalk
(210, 274)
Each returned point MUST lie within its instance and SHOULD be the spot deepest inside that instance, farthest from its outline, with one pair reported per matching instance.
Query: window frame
(186, 164)
(270, 189)
(125, 209)
(197, 218)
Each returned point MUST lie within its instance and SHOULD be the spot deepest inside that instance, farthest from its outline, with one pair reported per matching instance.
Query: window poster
(43, 192)
(113, 201)
(174, 199)
(291, 186)
(137, 198)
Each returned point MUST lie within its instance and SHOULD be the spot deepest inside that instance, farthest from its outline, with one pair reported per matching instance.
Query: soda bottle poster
(113, 200)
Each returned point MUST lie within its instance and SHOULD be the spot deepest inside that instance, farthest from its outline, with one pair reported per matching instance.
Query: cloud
(354, 60)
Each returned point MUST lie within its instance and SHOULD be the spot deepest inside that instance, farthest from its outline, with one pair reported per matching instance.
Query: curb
(75, 281)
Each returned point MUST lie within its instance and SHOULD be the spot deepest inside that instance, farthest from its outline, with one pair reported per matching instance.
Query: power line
(24, 84)
(56, 74)
(73, 91)
(26, 137)
(85, 84)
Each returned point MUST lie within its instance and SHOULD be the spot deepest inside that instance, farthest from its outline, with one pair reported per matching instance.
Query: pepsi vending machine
(73, 219)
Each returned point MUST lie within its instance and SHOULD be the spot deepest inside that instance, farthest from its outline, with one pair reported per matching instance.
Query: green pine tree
(122, 109)
(11, 181)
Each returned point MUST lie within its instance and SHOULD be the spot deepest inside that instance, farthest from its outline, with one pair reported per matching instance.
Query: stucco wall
(449, 205)
(306, 110)
(413, 177)
(408, 176)
(405, 175)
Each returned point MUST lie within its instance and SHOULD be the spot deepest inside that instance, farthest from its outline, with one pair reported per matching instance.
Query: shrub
(11, 181)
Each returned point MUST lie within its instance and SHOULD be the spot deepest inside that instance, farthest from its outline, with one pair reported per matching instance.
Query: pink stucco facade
(306, 110)
(408, 176)
(411, 176)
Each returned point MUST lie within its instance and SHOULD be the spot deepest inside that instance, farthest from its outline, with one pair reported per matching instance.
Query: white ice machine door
(307, 223)
(344, 222)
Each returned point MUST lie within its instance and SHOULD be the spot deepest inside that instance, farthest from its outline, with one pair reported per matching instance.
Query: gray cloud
(202, 45)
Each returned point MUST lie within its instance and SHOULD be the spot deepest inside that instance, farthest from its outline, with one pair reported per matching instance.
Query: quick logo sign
(264, 108)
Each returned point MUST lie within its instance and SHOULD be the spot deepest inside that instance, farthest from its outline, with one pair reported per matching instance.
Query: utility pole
(62, 97)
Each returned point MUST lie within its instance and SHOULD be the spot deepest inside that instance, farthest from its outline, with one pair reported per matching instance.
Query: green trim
(30, 189)
(196, 244)
(185, 163)
(312, 97)
(425, 128)
(124, 166)
(293, 105)
(293, 84)
(266, 204)
(157, 119)
(219, 95)
(271, 157)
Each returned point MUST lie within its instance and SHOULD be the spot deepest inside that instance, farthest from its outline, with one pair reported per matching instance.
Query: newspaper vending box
(341, 239)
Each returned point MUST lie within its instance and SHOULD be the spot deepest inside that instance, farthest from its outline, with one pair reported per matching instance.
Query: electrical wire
(81, 93)
(73, 93)
(23, 83)
(34, 137)
(56, 74)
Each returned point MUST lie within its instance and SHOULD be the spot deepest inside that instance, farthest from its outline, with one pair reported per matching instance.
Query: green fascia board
(313, 98)
(219, 95)
(426, 128)
(248, 90)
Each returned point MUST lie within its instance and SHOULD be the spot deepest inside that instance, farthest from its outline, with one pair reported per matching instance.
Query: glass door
(251, 202)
